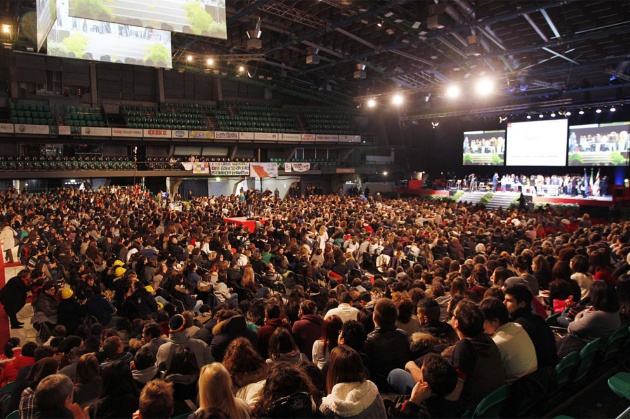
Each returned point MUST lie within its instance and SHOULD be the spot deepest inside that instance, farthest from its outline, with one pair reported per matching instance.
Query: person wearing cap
(70, 313)
(141, 302)
(181, 337)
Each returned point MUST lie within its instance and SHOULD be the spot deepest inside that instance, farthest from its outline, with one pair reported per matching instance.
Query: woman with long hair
(350, 394)
(282, 348)
(244, 364)
(541, 271)
(119, 397)
(327, 342)
(215, 392)
(88, 382)
(562, 286)
(579, 266)
(288, 392)
(602, 318)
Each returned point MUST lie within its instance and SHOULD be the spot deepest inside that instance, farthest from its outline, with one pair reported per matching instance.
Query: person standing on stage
(495, 182)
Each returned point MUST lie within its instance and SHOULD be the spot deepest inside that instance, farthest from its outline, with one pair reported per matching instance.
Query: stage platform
(249, 223)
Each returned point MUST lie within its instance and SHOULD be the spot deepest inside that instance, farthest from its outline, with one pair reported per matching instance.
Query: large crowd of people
(329, 308)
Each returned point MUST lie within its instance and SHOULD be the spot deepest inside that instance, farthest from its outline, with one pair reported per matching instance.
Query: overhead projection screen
(194, 17)
(46, 16)
(484, 148)
(599, 144)
(108, 42)
(537, 143)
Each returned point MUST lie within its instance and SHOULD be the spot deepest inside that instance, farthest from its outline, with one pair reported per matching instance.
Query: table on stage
(249, 223)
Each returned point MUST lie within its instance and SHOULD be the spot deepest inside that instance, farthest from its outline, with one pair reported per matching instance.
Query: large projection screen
(108, 42)
(194, 17)
(537, 143)
(484, 148)
(46, 16)
(599, 145)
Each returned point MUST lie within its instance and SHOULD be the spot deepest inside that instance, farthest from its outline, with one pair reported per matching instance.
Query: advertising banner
(229, 169)
(245, 135)
(226, 135)
(206, 135)
(344, 170)
(201, 168)
(156, 133)
(297, 167)
(308, 137)
(64, 130)
(263, 170)
(179, 133)
(127, 132)
(96, 132)
(290, 137)
(267, 136)
(327, 137)
(32, 129)
(187, 165)
(7, 128)
(350, 138)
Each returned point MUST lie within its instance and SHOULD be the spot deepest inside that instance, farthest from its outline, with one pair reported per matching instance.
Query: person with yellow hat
(70, 312)
(141, 301)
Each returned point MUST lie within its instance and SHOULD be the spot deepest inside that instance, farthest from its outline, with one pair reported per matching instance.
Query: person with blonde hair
(215, 392)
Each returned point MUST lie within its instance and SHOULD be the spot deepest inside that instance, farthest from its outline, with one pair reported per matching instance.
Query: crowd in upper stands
(331, 307)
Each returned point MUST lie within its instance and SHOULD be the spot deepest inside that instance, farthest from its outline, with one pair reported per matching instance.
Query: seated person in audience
(434, 335)
(53, 398)
(345, 310)
(602, 318)
(518, 300)
(517, 350)
(156, 401)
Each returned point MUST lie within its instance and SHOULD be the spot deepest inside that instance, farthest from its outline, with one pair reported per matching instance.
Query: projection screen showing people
(194, 17)
(108, 42)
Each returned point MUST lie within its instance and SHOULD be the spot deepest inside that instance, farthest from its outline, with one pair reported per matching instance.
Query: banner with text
(266, 136)
(206, 135)
(226, 135)
(179, 133)
(32, 129)
(290, 137)
(327, 137)
(64, 130)
(127, 132)
(229, 169)
(156, 133)
(245, 135)
(297, 167)
(350, 138)
(262, 170)
(6, 128)
(96, 132)
(201, 168)
(308, 137)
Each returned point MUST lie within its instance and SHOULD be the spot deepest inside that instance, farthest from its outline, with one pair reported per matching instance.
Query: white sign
(32, 129)
(229, 169)
(226, 135)
(96, 132)
(308, 137)
(206, 135)
(327, 137)
(6, 128)
(245, 135)
(350, 138)
(180, 133)
(64, 130)
(127, 132)
(297, 167)
(157, 133)
(266, 136)
(290, 137)
(262, 170)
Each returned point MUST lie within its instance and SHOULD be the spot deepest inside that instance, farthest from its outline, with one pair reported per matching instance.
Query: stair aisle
(471, 197)
(502, 199)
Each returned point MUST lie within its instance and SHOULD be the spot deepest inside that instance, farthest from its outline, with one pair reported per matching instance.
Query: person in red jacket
(10, 370)
(309, 328)
(273, 320)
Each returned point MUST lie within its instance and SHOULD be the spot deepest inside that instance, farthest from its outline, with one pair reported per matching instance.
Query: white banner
(327, 137)
(32, 129)
(6, 128)
(267, 136)
(157, 133)
(127, 132)
(206, 135)
(226, 135)
(179, 133)
(350, 138)
(297, 167)
(64, 130)
(245, 135)
(229, 169)
(263, 170)
(290, 137)
(187, 165)
(96, 132)
(201, 168)
(308, 137)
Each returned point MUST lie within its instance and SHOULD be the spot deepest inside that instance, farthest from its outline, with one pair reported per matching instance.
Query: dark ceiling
(557, 52)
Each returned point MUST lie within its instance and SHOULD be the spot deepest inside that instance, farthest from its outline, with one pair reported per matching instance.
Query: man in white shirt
(345, 310)
(516, 347)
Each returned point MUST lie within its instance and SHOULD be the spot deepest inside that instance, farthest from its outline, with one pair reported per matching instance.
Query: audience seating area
(325, 121)
(256, 117)
(36, 114)
(84, 117)
(189, 118)
(66, 163)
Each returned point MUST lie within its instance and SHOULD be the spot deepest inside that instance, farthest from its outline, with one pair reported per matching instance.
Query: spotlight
(541, 116)
(371, 103)
(567, 113)
(581, 112)
(553, 114)
(210, 61)
(397, 99)
(6, 28)
(598, 110)
(529, 117)
(241, 68)
(380, 24)
(435, 124)
(613, 109)
(484, 87)
(189, 58)
(385, 173)
(453, 92)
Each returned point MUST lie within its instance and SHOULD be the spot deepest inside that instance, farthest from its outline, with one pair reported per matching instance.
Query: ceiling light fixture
(484, 87)
(529, 117)
(397, 99)
(241, 68)
(210, 61)
(371, 103)
(541, 116)
(613, 109)
(189, 58)
(567, 113)
(598, 110)
(581, 112)
(435, 124)
(553, 114)
(453, 91)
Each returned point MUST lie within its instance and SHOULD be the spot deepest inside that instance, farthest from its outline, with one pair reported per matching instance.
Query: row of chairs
(21, 165)
(19, 106)
(169, 126)
(81, 110)
(189, 107)
(73, 123)
(32, 121)
(84, 117)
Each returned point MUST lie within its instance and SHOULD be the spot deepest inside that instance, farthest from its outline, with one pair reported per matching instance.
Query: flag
(585, 183)
(596, 190)
(590, 186)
